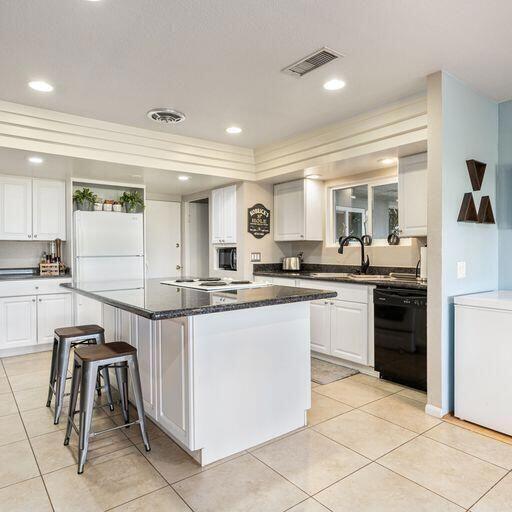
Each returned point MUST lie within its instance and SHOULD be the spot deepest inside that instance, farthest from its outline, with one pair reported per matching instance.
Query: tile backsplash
(21, 254)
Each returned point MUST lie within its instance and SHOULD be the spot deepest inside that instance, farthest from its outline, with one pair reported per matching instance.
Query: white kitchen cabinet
(172, 378)
(224, 214)
(298, 210)
(53, 311)
(320, 326)
(48, 209)
(15, 208)
(18, 317)
(412, 195)
(87, 311)
(349, 331)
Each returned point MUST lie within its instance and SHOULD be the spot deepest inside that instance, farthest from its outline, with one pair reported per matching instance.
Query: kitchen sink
(330, 274)
(368, 277)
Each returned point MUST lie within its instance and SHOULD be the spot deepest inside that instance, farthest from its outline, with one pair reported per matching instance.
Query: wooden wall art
(476, 172)
(485, 214)
(467, 211)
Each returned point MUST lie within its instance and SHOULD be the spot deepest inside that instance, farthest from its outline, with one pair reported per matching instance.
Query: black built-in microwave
(226, 258)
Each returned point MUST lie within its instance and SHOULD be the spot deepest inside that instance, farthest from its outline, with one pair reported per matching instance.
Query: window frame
(330, 221)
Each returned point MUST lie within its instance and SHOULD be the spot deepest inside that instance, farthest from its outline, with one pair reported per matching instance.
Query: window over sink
(364, 209)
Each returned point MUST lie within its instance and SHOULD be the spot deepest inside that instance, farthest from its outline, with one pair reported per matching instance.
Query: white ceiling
(219, 61)
(158, 182)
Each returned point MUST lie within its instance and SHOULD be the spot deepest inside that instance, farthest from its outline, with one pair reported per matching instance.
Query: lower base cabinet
(18, 322)
(30, 320)
(53, 311)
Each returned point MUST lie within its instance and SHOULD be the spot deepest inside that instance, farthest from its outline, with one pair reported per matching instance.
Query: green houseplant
(132, 201)
(85, 198)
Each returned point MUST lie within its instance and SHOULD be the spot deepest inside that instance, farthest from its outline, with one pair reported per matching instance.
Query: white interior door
(163, 238)
(197, 240)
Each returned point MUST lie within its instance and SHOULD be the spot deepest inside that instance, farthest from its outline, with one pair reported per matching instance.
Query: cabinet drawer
(32, 287)
(346, 291)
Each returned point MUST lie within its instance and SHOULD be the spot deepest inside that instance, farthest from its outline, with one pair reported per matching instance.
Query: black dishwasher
(401, 335)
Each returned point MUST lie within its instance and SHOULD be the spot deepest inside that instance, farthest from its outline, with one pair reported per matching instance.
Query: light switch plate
(461, 269)
(255, 256)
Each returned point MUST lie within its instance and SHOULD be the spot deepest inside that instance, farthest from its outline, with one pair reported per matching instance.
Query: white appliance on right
(483, 359)
(109, 249)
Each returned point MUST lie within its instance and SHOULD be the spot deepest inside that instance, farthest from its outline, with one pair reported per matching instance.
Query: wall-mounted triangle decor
(485, 214)
(467, 211)
(476, 172)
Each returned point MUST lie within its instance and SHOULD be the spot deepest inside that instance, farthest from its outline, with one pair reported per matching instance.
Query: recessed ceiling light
(314, 176)
(353, 197)
(133, 175)
(334, 85)
(40, 86)
(234, 129)
(183, 178)
(387, 161)
(35, 159)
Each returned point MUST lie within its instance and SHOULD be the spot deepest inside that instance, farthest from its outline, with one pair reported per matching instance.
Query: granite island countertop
(308, 275)
(151, 299)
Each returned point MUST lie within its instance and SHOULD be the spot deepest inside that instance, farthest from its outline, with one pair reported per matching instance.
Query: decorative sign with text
(258, 220)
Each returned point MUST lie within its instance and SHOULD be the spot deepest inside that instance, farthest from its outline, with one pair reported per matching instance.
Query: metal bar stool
(89, 360)
(65, 338)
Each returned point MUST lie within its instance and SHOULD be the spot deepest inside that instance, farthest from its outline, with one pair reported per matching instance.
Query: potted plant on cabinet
(132, 201)
(85, 199)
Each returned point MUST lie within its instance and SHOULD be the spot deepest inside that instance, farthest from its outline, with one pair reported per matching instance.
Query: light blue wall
(470, 130)
(505, 194)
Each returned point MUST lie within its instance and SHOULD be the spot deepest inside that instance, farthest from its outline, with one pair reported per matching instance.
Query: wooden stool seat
(105, 351)
(79, 331)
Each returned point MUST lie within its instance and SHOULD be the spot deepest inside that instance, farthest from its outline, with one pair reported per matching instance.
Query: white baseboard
(19, 351)
(437, 412)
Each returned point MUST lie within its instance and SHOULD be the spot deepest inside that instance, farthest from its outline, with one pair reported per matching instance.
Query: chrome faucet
(365, 263)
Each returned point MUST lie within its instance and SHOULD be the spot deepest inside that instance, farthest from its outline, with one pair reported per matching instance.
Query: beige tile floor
(368, 447)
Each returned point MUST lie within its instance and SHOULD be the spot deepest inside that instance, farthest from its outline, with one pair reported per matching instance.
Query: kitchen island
(221, 371)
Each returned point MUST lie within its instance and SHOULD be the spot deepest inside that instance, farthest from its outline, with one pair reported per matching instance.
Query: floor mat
(323, 372)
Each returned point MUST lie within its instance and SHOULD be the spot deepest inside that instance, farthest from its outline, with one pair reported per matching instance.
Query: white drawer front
(346, 291)
(32, 287)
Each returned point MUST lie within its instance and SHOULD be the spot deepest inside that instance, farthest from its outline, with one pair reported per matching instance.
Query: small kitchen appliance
(226, 258)
(292, 262)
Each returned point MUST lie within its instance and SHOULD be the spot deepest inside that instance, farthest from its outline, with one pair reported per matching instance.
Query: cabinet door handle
(33, 300)
(178, 267)
(40, 300)
(30, 236)
(35, 236)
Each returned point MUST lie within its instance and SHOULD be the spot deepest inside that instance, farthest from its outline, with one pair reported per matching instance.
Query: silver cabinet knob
(178, 267)
(37, 287)
(177, 244)
(30, 236)
(40, 300)
(35, 236)
(33, 300)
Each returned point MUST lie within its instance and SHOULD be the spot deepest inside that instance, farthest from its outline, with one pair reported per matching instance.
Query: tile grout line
(138, 497)
(489, 490)
(29, 443)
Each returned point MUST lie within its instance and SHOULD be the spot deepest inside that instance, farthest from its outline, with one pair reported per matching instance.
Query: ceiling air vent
(166, 115)
(312, 62)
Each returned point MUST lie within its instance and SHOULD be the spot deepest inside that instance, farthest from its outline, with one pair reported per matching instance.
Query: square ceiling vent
(311, 62)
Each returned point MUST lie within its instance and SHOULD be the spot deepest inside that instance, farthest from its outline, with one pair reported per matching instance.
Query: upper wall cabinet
(48, 209)
(224, 215)
(15, 208)
(412, 195)
(298, 210)
(32, 209)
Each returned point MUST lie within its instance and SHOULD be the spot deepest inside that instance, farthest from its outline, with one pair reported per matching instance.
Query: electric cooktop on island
(212, 284)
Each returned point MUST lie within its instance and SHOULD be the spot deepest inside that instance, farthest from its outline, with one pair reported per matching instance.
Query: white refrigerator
(108, 250)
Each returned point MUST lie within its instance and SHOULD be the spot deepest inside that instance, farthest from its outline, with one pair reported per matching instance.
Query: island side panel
(251, 377)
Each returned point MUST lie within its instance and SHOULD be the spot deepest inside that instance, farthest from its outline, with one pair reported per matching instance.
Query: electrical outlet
(255, 256)
(461, 269)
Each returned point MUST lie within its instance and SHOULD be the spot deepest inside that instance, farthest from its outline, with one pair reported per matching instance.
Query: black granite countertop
(157, 301)
(309, 274)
